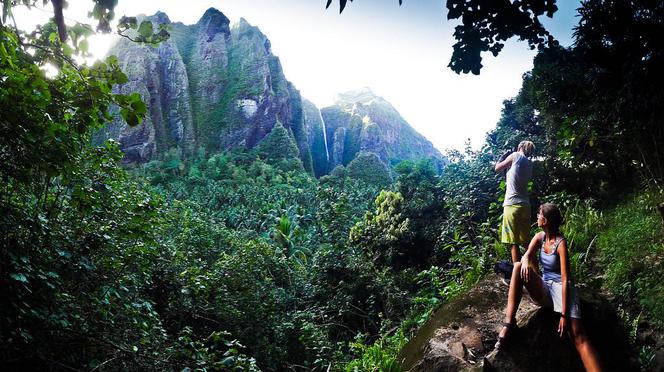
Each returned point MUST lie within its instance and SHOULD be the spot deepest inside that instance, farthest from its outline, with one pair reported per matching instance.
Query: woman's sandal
(500, 344)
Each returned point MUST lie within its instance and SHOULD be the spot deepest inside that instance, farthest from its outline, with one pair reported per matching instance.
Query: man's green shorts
(516, 224)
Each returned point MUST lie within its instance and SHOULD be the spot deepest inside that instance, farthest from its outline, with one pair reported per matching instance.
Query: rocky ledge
(460, 336)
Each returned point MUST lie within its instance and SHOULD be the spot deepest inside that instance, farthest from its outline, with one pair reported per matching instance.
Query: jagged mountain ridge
(217, 87)
(208, 86)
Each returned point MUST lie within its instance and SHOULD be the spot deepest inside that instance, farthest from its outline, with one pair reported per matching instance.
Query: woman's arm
(525, 260)
(505, 163)
(564, 277)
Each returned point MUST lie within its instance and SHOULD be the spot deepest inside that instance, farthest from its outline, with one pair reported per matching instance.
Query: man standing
(516, 207)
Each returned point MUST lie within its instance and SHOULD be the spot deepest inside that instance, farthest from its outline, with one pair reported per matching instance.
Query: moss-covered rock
(460, 336)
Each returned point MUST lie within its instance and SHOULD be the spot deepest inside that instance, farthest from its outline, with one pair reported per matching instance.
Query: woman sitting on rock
(554, 290)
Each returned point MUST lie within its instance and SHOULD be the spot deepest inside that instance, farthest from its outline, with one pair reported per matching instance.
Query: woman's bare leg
(535, 288)
(584, 347)
(514, 294)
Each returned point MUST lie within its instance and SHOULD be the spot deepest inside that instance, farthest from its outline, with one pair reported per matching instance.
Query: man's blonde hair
(527, 147)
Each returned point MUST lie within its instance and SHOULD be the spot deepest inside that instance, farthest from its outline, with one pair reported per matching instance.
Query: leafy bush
(631, 248)
(380, 356)
(582, 226)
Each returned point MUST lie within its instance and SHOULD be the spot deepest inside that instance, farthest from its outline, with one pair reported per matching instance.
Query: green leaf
(342, 5)
(145, 29)
(139, 107)
(19, 277)
(127, 22)
(83, 46)
(67, 50)
(132, 108)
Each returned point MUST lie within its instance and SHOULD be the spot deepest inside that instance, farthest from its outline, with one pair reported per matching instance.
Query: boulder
(461, 335)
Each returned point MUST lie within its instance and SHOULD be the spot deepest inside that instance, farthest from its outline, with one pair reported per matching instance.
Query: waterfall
(327, 152)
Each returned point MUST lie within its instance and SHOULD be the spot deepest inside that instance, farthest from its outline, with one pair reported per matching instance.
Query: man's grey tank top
(550, 262)
(517, 180)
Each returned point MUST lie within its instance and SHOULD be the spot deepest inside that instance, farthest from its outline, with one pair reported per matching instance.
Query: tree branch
(59, 19)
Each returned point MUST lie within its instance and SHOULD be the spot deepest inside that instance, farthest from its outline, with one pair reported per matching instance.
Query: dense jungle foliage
(243, 261)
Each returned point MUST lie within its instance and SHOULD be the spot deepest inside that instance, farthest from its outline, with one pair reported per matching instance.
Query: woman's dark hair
(553, 216)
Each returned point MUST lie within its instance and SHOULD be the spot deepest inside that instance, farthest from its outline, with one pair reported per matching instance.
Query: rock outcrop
(360, 121)
(461, 334)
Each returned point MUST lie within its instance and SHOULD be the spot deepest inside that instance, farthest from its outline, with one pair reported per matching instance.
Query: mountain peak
(160, 18)
(363, 95)
(214, 22)
(212, 16)
(244, 27)
(244, 23)
(373, 124)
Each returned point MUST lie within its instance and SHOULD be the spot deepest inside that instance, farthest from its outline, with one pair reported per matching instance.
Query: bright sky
(401, 53)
